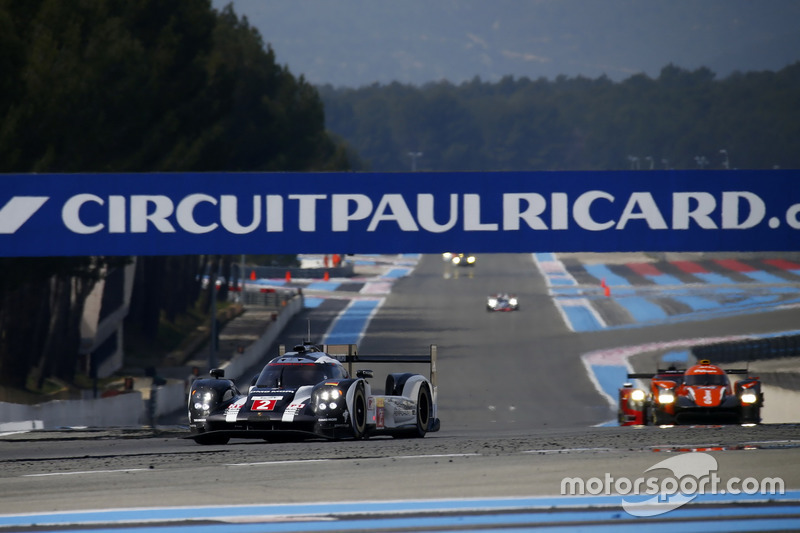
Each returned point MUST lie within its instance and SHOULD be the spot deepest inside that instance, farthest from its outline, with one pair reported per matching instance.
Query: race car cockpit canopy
(705, 373)
(706, 379)
(292, 374)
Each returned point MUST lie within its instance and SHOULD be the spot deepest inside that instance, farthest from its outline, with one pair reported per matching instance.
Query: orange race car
(701, 393)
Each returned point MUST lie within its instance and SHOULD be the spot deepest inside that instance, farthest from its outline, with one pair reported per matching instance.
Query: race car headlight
(329, 394)
(666, 396)
(637, 395)
(201, 402)
(513, 301)
(326, 399)
(492, 301)
(749, 397)
(456, 260)
(470, 260)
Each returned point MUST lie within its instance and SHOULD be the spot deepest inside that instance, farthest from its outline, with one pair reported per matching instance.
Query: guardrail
(750, 349)
(264, 296)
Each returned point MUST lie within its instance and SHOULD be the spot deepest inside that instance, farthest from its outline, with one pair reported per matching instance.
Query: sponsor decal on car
(292, 410)
(232, 411)
(380, 414)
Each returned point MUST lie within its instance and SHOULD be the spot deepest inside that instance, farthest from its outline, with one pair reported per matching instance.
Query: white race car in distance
(502, 302)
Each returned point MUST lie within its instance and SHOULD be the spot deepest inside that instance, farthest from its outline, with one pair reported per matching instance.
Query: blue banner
(423, 212)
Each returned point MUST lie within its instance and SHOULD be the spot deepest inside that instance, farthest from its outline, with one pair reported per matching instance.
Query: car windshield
(294, 375)
(706, 379)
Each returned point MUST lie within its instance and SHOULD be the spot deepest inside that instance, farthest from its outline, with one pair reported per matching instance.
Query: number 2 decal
(265, 403)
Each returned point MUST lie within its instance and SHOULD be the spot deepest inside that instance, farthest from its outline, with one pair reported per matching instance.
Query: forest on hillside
(681, 119)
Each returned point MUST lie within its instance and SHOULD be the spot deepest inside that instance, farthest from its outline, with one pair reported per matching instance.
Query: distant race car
(701, 393)
(309, 392)
(463, 259)
(502, 302)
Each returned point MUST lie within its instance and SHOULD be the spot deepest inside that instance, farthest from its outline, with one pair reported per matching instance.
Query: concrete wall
(123, 410)
(130, 409)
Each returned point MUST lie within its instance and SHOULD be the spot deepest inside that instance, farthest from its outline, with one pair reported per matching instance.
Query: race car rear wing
(678, 372)
(348, 353)
(659, 372)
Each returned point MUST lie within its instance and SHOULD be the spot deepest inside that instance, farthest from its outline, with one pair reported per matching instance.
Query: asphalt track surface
(517, 411)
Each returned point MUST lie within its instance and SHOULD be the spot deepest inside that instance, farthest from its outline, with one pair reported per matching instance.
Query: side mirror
(217, 373)
(363, 374)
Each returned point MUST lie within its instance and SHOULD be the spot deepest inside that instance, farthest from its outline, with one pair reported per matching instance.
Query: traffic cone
(253, 275)
(327, 276)
(603, 283)
(608, 291)
(288, 276)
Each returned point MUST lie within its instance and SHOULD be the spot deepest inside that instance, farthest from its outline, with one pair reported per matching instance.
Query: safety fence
(750, 349)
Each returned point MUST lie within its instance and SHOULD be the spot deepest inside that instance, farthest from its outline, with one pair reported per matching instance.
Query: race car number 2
(265, 403)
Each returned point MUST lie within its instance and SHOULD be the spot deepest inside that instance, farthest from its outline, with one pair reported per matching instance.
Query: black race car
(309, 392)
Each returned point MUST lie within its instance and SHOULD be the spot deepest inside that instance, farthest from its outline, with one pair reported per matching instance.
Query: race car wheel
(211, 439)
(750, 415)
(423, 410)
(359, 413)
(657, 418)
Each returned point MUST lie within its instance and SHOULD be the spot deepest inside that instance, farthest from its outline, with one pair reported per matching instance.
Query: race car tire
(359, 414)
(646, 415)
(213, 439)
(750, 415)
(658, 418)
(423, 410)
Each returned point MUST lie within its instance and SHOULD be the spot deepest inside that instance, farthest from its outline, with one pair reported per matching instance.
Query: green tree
(119, 86)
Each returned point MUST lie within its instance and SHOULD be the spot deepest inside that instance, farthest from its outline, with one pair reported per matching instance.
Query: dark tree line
(121, 86)
(682, 119)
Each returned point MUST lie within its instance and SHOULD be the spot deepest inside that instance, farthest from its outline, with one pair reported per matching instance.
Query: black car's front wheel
(660, 418)
(750, 415)
(359, 413)
(424, 404)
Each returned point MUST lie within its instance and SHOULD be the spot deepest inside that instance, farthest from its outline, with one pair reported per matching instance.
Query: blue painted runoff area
(664, 279)
(764, 277)
(560, 280)
(312, 302)
(550, 513)
(601, 272)
(713, 278)
(323, 285)
(567, 291)
(642, 309)
(396, 273)
(697, 303)
(610, 378)
(581, 318)
(352, 322)
(270, 282)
